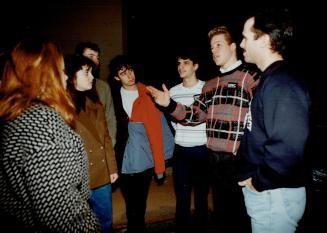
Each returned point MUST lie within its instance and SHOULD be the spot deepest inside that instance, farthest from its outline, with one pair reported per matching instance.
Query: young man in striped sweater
(190, 155)
(223, 104)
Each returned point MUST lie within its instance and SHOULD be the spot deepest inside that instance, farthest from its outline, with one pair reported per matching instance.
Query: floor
(160, 206)
(161, 209)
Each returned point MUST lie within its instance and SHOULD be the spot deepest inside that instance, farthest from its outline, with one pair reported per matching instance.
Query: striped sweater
(223, 104)
(188, 136)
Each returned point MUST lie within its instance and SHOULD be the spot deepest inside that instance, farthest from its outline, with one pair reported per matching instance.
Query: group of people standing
(66, 136)
(257, 125)
(57, 152)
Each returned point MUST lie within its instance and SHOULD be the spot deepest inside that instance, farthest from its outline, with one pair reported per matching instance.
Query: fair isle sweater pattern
(223, 104)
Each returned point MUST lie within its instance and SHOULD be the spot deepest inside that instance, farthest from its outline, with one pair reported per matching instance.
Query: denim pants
(276, 210)
(101, 204)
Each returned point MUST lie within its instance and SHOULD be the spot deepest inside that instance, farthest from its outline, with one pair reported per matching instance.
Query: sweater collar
(232, 67)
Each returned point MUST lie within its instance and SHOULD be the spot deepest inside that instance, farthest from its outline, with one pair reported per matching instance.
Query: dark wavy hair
(74, 63)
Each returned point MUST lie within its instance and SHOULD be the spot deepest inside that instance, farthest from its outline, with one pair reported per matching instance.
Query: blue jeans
(276, 210)
(101, 204)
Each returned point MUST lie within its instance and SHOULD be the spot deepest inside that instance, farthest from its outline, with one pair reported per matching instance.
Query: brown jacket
(91, 125)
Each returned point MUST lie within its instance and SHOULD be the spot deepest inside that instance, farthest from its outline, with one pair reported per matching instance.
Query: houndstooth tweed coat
(43, 175)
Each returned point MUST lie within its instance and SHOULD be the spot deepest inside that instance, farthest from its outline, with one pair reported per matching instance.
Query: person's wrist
(171, 106)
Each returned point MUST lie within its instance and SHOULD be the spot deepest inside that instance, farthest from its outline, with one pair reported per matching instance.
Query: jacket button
(91, 164)
(101, 147)
(90, 151)
(102, 160)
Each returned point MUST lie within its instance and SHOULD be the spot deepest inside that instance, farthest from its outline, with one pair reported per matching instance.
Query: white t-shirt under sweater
(128, 97)
(188, 136)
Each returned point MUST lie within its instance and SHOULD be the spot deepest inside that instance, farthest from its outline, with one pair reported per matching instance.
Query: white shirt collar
(236, 64)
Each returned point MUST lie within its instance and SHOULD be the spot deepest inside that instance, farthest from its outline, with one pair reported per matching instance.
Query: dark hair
(119, 62)
(80, 47)
(189, 53)
(74, 63)
(277, 24)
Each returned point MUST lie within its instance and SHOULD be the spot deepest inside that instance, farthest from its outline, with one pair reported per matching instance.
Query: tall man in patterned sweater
(223, 104)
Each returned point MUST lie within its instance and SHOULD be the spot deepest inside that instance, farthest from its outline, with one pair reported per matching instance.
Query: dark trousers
(135, 189)
(190, 173)
(228, 201)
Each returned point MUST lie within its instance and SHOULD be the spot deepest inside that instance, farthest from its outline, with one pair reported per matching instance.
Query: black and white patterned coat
(44, 175)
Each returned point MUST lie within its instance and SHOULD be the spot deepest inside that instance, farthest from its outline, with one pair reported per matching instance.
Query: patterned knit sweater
(43, 175)
(223, 103)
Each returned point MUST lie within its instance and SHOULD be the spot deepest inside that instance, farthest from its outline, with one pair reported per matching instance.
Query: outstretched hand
(160, 97)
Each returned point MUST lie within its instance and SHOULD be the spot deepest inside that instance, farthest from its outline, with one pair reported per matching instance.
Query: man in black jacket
(277, 127)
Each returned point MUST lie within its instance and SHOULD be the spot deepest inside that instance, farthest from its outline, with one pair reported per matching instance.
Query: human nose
(91, 76)
(242, 44)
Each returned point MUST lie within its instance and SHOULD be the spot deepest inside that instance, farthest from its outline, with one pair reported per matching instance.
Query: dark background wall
(157, 29)
(153, 31)
(68, 22)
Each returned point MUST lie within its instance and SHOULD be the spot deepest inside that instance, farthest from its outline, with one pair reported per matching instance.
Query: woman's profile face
(84, 78)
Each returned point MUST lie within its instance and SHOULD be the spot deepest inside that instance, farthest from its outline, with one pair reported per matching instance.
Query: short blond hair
(221, 30)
